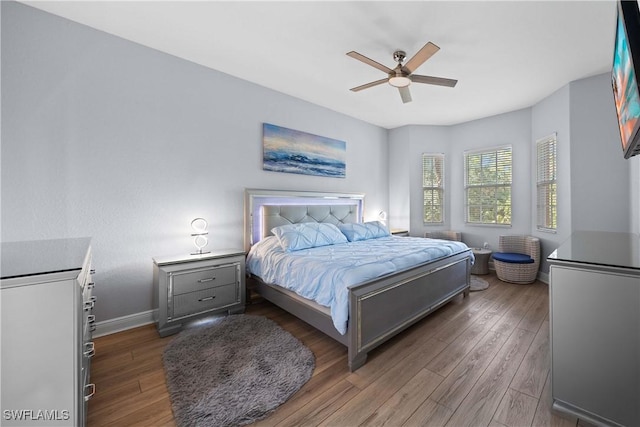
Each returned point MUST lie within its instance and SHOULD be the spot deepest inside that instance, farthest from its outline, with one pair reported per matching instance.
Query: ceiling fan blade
(368, 85)
(369, 61)
(440, 81)
(422, 55)
(405, 94)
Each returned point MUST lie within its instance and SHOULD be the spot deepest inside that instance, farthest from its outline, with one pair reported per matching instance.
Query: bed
(377, 308)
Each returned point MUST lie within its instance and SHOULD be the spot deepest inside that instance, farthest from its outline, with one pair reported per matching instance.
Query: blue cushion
(294, 237)
(364, 231)
(513, 258)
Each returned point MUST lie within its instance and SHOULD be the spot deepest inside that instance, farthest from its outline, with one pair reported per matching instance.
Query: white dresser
(46, 327)
(595, 328)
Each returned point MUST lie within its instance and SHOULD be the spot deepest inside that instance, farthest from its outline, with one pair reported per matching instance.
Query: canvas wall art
(292, 151)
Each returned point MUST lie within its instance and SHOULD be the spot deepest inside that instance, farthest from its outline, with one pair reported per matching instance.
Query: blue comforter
(324, 274)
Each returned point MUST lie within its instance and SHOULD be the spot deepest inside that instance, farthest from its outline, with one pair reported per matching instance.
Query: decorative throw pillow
(294, 237)
(364, 231)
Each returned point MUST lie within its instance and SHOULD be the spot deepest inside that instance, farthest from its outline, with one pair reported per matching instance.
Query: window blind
(488, 177)
(433, 187)
(547, 196)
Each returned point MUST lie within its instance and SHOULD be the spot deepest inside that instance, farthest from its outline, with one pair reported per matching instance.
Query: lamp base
(200, 252)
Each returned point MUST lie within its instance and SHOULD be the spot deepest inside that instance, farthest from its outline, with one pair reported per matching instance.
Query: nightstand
(193, 286)
(400, 232)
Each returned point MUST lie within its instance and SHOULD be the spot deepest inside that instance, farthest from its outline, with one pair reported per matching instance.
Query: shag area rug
(233, 371)
(478, 284)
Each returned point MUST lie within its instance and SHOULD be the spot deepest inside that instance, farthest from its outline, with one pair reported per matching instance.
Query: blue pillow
(364, 231)
(294, 237)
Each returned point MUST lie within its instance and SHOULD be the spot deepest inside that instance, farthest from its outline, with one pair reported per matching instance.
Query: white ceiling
(506, 55)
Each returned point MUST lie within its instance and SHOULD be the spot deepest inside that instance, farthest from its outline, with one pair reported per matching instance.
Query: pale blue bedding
(324, 274)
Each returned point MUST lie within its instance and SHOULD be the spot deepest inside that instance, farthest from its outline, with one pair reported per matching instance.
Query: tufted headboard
(265, 209)
(275, 215)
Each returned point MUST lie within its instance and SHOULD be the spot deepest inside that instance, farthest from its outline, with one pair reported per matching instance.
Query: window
(546, 184)
(433, 187)
(487, 179)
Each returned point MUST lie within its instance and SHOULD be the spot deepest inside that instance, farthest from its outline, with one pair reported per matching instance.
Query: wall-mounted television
(626, 63)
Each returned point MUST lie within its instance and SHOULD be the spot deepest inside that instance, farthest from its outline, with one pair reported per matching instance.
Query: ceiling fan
(402, 75)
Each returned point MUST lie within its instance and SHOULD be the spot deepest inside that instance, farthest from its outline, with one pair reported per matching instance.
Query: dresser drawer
(195, 280)
(204, 300)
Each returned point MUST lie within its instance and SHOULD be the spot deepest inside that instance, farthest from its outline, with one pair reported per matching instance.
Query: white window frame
(546, 185)
(431, 184)
(497, 186)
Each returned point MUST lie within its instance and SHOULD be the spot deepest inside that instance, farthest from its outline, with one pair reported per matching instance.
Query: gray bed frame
(378, 309)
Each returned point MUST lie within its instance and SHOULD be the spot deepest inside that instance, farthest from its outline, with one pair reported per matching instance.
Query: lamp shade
(199, 226)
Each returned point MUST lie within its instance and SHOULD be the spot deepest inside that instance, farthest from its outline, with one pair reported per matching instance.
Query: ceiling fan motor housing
(399, 56)
(399, 76)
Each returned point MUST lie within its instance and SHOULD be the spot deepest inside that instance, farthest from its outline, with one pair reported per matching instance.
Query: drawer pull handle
(92, 271)
(89, 349)
(210, 279)
(90, 395)
(91, 285)
(93, 299)
(92, 328)
(207, 298)
(91, 318)
(88, 305)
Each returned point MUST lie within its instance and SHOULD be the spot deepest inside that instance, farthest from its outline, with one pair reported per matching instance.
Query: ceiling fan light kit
(399, 81)
(401, 76)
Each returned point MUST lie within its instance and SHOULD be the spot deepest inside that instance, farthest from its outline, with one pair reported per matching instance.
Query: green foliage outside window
(547, 203)
(433, 187)
(488, 177)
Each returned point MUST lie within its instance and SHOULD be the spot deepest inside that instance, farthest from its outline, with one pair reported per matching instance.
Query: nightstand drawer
(206, 299)
(211, 277)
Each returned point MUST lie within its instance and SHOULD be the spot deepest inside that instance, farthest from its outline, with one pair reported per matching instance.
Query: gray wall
(511, 128)
(548, 116)
(597, 188)
(106, 138)
(600, 176)
(400, 178)
(409, 142)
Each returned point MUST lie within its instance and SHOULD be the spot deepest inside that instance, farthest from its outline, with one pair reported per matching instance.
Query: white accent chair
(517, 259)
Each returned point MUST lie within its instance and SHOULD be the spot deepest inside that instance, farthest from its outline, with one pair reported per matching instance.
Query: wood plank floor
(479, 361)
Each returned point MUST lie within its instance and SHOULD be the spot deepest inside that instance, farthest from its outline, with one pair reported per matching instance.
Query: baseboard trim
(543, 277)
(123, 323)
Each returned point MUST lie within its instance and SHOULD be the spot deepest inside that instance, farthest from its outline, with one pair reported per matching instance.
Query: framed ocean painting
(292, 151)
